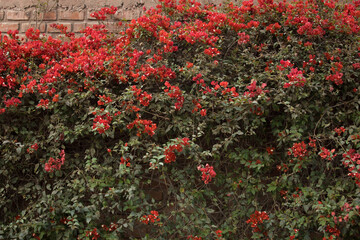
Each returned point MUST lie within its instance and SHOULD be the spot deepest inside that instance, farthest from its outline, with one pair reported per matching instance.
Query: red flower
(256, 219)
(189, 64)
(298, 150)
(244, 38)
(340, 130)
(212, 52)
(208, 173)
(254, 90)
(151, 218)
(33, 148)
(296, 78)
(326, 154)
(94, 234)
(12, 102)
(170, 150)
(312, 142)
(270, 150)
(56, 98)
(101, 123)
(53, 164)
(43, 103)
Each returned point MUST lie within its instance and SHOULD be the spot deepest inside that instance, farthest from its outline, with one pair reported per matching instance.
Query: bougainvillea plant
(236, 121)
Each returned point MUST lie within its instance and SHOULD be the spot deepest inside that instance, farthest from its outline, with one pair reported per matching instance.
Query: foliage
(239, 121)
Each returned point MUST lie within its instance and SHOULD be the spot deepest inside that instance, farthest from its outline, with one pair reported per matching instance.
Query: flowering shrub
(237, 121)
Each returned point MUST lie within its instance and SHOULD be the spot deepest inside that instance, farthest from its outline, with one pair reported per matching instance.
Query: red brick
(4, 27)
(130, 14)
(68, 15)
(113, 26)
(119, 15)
(55, 30)
(2, 14)
(17, 15)
(77, 27)
(25, 26)
(47, 16)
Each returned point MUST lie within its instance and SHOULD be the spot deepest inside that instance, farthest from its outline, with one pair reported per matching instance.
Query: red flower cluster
(143, 97)
(351, 160)
(125, 160)
(298, 150)
(175, 92)
(53, 164)
(11, 102)
(273, 28)
(243, 38)
(104, 100)
(211, 52)
(256, 219)
(296, 78)
(32, 148)
(143, 126)
(218, 233)
(312, 142)
(65, 220)
(333, 230)
(339, 130)
(270, 150)
(43, 103)
(308, 29)
(151, 218)
(336, 78)
(284, 64)
(208, 173)
(112, 227)
(169, 151)
(93, 234)
(191, 237)
(255, 90)
(225, 89)
(101, 14)
(326, 154)
(101, 123)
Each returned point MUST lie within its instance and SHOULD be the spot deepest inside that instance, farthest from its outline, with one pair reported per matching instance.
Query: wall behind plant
(74, 14)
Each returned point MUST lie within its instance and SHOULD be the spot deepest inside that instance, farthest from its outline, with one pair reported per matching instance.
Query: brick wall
(74, 14)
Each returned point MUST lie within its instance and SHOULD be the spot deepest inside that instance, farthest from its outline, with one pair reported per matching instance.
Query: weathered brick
(113, 26)
(119, 15)
(4, 27)
(68, 15)
(26, 26)
(48, 16)
(130, 14)
(77, 27)
(17, 15)
(55, 30)
(2, 15)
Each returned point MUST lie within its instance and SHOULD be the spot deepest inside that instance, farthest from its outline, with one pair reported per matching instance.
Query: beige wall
(75, 14)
